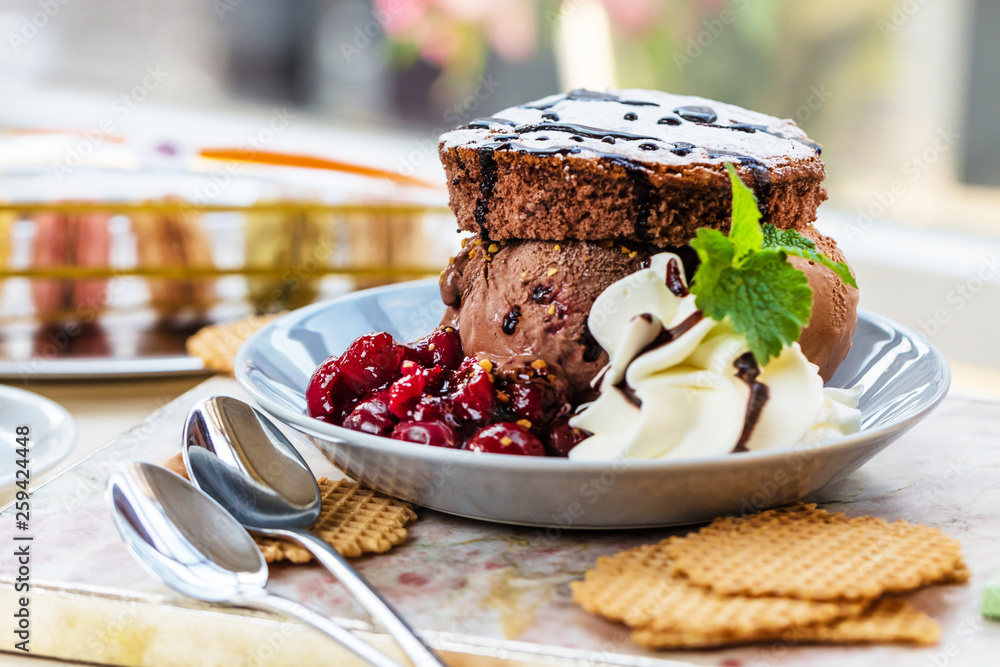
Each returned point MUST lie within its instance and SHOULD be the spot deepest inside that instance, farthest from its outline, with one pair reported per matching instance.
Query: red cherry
(432, 433)
(434, 408)
(370, 362)
(406, 392)
(345, 408)
(366, 422)
(506, 438)
(326, 392)
(538, 401)
(371, 415)
(563, 438)
(474, 397)
(441, 348)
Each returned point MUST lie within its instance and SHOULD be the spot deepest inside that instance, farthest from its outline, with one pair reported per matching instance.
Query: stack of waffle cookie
(795, 575)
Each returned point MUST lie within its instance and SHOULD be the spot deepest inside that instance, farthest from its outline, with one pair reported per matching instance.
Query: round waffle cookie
(217, 344)
(638, 588)
(640, 165)
(354, 520)
(888, 620)
(807, 553)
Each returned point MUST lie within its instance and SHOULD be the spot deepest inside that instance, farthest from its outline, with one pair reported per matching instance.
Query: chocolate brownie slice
(633, 164)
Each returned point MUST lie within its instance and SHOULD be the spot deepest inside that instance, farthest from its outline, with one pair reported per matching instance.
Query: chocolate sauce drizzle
(510, 320)
(701, 115)
(492, 120)
(697, 114)
(629, 394)
(675, 279)
(750, 128)
(682, 148)
(663, 338)
(487, 182)
(670, 335)
(569, 128)
(748, 371)
(584, 95)
(644, 193)
(762, 185)
(591, 348)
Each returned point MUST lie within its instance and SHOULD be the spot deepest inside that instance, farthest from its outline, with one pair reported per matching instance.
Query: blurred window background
(890, 87)
(903, 95)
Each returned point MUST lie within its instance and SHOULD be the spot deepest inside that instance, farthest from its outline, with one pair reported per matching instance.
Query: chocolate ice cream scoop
(827, 339)
(531, 299)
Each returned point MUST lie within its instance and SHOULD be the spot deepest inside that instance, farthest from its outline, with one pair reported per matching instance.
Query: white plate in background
(51, 437)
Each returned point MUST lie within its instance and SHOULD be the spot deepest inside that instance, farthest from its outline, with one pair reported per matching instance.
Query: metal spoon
(188, 541)
(240, 458)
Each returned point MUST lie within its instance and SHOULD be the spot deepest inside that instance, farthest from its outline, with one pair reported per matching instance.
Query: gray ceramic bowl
(903, 378)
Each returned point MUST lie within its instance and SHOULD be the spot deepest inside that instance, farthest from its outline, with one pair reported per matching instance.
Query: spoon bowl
(183, 537)
(245, 463)
(189, 542)
(242, 460)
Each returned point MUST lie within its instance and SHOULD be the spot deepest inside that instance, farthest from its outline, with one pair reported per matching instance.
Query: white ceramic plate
(52, 432)
(903, 378)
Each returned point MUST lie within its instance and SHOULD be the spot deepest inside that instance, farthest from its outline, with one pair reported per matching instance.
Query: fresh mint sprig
(747, 277)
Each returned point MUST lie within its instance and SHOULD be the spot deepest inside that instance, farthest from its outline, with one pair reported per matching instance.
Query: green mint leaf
(794, 243)
(767, 300)
(744, 232)
(716, 253)
(789, 238)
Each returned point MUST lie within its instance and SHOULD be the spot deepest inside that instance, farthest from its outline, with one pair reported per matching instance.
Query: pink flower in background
(439, 28)
(514, 36)
(634, 15)
(438, 43)
(401, 16)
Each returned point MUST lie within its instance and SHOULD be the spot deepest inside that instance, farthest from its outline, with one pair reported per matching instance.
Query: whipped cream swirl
(681, 385)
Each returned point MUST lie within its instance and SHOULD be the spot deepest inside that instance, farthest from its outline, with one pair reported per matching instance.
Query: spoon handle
(361, 648)
(366, 595)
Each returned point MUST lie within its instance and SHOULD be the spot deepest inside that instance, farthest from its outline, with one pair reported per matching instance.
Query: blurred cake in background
(137, 248)
(7, 220)
(296, 242)
(175, 241)
(65, 240)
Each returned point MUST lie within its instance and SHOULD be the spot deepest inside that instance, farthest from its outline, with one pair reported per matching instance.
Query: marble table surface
(487, 594)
